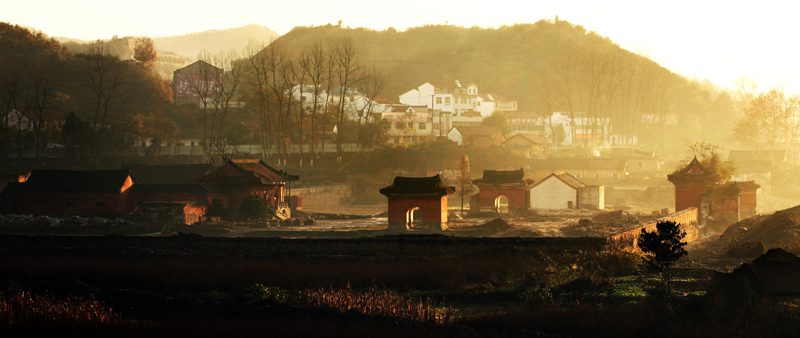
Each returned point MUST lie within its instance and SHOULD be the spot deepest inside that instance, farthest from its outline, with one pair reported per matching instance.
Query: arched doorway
(501, 204)
(413, 218)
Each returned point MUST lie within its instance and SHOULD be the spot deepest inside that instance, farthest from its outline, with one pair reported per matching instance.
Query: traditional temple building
(417, 203)
(71, 192)
(501, 192)
(239, 179)
(718, 203)
(183, 191)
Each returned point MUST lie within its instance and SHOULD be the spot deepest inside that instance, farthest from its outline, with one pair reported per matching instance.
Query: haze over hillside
(190, 45)
(177, 51)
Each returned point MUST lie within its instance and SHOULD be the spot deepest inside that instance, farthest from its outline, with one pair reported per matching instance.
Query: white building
(413, 124)
(560, 190)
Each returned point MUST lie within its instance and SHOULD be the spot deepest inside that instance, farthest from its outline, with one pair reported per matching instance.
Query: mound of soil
(779, 230)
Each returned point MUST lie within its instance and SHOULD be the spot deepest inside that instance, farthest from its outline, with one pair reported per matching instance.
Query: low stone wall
(322, 196)
(687, 218)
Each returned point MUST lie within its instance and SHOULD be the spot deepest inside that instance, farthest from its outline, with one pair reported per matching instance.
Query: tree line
(323, 95)
(103, 101)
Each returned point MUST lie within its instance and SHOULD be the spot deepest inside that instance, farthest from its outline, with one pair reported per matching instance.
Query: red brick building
(718, 203)
(501, 192)
(417, 203)
(71, 192)
(692, 183)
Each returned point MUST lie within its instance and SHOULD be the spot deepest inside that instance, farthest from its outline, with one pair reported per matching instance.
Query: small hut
(417, 203)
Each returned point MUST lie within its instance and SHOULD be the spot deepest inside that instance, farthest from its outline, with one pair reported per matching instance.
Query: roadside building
(560, 190)
(479, 137)
(417, 203)
(527, 145)
(501, 191)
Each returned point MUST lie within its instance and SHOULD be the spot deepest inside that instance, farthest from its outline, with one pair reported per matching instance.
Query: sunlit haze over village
(407, 168)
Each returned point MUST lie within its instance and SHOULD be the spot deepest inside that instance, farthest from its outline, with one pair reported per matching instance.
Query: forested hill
(546, 66)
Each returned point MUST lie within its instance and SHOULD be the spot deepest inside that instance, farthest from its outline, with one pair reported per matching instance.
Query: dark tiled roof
(693, 171)
(491, 177)
(417, 186)
(194, 188)
(532, 139)
(169, 174)
(479, 131)
(76, 180)
(263, 170)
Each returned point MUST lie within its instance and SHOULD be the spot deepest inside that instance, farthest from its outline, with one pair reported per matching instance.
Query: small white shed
(559, 190)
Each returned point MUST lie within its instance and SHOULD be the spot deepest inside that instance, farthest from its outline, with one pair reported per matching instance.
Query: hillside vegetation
(546, 66)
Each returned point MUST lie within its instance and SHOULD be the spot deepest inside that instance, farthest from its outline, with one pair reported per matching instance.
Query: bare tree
(104, 78)
(11, 83)
(313, 64)
(224, 98)
(347, 68)
(258, 71)
(372, 84)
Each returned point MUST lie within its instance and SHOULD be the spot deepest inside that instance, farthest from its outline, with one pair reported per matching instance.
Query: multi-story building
(412, 124)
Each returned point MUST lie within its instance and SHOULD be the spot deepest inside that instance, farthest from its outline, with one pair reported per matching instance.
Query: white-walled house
(560, 190)
(413, 124)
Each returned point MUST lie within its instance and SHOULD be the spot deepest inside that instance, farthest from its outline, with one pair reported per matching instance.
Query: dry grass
(23, 308)
(381, 302)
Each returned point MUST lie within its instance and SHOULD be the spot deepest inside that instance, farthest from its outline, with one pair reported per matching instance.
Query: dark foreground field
(394, 286)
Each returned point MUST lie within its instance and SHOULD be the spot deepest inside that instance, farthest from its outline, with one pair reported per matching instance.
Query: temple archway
(501, 204)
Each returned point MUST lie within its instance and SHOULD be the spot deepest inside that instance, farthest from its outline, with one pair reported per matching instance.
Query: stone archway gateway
(501, 204)
(413, 218)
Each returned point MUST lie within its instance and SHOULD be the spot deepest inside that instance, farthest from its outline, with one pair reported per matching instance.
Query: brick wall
(517, 197)
(687, 218)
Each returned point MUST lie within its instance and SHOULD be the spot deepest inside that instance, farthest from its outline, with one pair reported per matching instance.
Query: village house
(527, 123)
(560, 190)
(527, 145)
(459, 100)
(71, 192)
(479, 137)
(417, 203)
(413, 124)
(719, 203)
(501, 192)
(195, 83)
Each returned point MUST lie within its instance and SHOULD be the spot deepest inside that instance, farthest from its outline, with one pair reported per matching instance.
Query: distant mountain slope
(547, 66)
(177, 51)
(191, 45)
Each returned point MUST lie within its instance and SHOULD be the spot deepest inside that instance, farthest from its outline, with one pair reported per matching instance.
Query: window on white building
(423, 125)
(439, 100)
(447, 101)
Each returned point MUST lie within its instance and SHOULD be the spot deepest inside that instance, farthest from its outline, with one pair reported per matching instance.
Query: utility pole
(464, 172)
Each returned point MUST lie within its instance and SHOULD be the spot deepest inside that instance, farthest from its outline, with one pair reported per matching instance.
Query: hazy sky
(717, 40)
